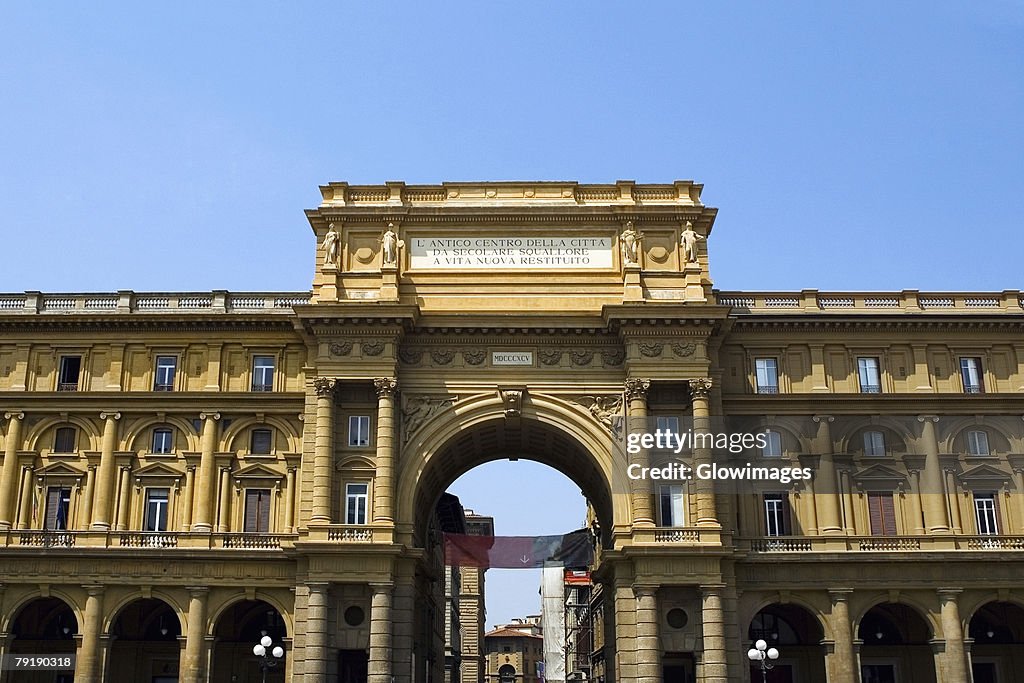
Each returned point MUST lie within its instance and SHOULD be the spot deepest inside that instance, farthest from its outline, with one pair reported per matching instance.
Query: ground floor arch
(895, 645)
(145, 643)
(798, 634)
(997, 632)
(237, 629)
(43, 625)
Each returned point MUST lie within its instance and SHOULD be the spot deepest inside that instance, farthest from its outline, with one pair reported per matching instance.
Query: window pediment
(880, 477)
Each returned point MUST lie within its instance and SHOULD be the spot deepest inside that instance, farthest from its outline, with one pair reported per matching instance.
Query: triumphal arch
(187, 473)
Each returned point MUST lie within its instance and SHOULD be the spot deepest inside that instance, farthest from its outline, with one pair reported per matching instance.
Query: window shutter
(787, 517)
(875, 513)
(251, 509)
(882, 513)
(52, 506)
(264, 520)
(888, 515)
(995, 508)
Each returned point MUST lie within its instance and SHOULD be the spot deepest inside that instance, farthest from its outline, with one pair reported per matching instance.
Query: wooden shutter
(882, 513)
(995, 509)
(257, 510)
(787, 516)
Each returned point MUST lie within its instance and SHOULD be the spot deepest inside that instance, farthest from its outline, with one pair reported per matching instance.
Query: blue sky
(173, 146)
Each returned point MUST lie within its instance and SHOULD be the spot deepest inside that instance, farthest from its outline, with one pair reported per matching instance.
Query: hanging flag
(574, 549)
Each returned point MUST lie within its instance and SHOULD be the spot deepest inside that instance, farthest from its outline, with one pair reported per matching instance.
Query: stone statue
(630, 241)
(330, 246)
(389, 245)
(688, 240)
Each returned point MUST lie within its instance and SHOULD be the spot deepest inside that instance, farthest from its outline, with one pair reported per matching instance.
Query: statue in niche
(389, 246)
(688, 240)
(630, 241)
(330, 245)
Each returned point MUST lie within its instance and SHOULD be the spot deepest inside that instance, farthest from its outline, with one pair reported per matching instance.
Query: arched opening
(507, 674)
(798, 635)
(240, 628)
(44, 626)
(145, 642)
(484, 437)
(997, 629)
(895, 645)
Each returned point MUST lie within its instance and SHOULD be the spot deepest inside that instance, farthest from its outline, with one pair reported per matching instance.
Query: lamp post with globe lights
(765, 656)
(269, 658)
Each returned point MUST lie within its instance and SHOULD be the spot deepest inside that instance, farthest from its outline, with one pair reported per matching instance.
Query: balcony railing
(1007, 301)
(974, 389)
(805, 544)
(46, 538)
(262, 387)
(148, 539)
(67, 386)
(768, 390)
(870, 389)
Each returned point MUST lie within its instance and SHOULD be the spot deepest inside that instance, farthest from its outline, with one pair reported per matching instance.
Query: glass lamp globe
(259, 650)
(761, 645)
(278, 652)
(265, 641)
(773, 654)
(753, 655)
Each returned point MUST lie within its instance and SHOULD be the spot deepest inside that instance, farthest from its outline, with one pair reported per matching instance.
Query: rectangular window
(874, 443)
(58, 505)
(64, 440)
(667, 424)
(772, 444)
(356, 498)
(163, 440)
(156, 510)
(166, 367)
(776, 514)
(68, 375)
(870, 376)
(882, 514)
(261, 442)
(977, 443)
(671, 506)
(257, 510)
(359, 430)
(263, 373)
(767, 370)
(986, 513)
(970, 373)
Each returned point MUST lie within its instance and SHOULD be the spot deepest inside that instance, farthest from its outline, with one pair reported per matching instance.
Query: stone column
(206, 485)
(89, 666)
(383, 482)
(636, 401)
(10, 474)
(648, 644)
(323, 458)
(933, 498)
(952, 498)
(315, 659)
(826, 483)
(194, 656)
(224, 511)
(952, 630)
(713, 618)
(380, 634)
(188, 498)
(403, 616)
(289, 503)
(27, 493)
(700, 391)
(842, 665)
(88, 491)
(106, 477)
(124, 496)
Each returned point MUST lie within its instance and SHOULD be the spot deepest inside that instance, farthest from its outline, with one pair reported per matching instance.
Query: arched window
(64, 440)
(977, 442)
(874, 443)
(772, 444)
(163, 440)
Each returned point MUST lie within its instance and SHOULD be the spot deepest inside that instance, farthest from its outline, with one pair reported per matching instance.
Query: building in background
(185, 472)
(472, 605)
(515, 652)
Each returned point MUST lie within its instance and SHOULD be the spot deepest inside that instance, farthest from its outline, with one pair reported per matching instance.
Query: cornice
(190, 402)
(872, 404)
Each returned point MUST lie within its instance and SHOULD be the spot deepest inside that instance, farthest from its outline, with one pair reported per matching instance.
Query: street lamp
(268, 660)
(765, 656)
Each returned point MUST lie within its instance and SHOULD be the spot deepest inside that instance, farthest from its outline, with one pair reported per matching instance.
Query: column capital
(824, 418)
(94, 590)
(947, 594)
(209, 416)
(325, 386)
(386, 387)
(645, 591)
(707, 589)
(381, 587)
(14, 415)
(700, 387)
(110, 415)
(927, 418)
(198, 591)
(636, 389)
(839, 594)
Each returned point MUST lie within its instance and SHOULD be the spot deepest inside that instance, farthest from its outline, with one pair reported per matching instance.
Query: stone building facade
(184, 473)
